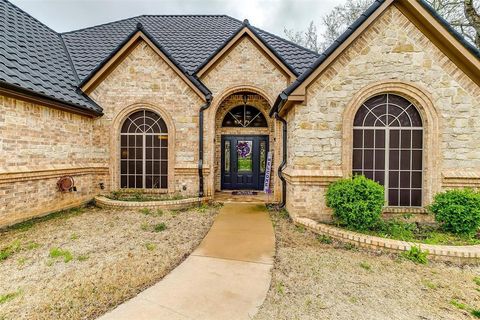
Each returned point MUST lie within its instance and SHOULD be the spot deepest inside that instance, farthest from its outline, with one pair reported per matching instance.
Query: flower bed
(458, 254)
(419, 232)
(137, 196)
(152, 202)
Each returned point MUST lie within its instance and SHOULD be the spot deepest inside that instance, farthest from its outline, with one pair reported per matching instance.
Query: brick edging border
(105, 202)
(458, 254)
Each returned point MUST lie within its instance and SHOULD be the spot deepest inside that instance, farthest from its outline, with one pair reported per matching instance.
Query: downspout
(284, 159)
(204, 107)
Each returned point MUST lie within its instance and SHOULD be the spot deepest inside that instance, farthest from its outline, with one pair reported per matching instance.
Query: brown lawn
(80, 264)
(315, 280)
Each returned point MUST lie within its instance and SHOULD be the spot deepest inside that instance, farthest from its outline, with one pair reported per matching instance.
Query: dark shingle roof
(37, 59)
(32, 58)
(299, 58)
(190, 39)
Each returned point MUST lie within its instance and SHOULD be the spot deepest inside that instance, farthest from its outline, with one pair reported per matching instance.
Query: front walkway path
(226, 277)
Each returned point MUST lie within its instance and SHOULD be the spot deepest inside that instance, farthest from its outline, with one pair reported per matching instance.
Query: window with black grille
(243, 117)
(144, 151)
(388, 148)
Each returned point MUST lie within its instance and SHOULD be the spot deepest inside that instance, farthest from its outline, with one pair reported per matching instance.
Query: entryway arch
(244, 135)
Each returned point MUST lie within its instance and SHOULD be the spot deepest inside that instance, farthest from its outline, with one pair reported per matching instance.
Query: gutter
(29, 95)
(278, 105)
(204, 107)
(284, 159)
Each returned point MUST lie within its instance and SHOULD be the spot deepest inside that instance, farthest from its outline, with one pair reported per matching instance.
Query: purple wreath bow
(243, 149)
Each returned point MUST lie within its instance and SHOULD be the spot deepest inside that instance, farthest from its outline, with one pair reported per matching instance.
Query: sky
(271, 15)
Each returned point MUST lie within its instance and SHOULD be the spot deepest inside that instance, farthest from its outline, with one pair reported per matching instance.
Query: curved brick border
(105, 202)
(458, 254)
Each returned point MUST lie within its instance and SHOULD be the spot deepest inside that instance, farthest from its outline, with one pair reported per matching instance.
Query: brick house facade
(122, 105)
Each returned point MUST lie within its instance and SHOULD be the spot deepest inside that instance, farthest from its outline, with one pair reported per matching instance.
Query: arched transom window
(244, 116)
(388, 147)
(144, 151)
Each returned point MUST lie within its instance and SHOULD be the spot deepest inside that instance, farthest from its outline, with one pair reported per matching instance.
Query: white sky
(271, 15)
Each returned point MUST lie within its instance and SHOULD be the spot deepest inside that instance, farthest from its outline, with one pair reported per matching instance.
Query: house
(196, 104)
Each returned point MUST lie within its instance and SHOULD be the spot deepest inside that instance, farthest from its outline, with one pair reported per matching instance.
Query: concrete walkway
(226, 277)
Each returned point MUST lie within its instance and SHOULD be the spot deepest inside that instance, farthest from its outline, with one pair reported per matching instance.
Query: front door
(243, 163)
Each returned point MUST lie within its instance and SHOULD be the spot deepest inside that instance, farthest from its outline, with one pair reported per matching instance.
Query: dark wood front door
(243, 162)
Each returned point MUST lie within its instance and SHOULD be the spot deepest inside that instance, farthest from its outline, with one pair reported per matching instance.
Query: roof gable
(465, 56)
(190, 39)
(119, 54)
(247, 31)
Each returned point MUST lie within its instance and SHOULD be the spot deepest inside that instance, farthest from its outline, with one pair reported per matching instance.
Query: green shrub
(356, 202)
(458, 211)
(160, 227)
(416, 255)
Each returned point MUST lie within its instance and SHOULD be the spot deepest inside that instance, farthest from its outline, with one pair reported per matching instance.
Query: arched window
(144, 151)
(244, 116)
(388, 147)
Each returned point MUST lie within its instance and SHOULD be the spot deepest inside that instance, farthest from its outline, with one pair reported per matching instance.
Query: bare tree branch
(474, 18)
(463, 15)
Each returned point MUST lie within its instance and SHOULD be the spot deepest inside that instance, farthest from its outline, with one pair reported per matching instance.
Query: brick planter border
(457, 254)
(105, 202)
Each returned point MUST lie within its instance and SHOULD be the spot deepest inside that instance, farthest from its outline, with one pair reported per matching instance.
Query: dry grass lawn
(317, 280)
(80, 264)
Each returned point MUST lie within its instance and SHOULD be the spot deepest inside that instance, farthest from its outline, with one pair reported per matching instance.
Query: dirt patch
(80, 265)
(316, 279)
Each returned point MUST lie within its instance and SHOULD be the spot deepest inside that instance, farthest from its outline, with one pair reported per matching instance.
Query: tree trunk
(474, 18)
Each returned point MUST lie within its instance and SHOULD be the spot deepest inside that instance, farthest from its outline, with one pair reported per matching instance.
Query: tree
(471, 13)
(463, 15)
(308, 39)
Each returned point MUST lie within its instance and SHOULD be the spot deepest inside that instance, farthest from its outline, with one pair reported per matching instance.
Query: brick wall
(144, 80)
(38, 145)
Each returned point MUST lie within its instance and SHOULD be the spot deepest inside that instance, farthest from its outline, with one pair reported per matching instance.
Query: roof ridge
(28, 14)
(145, 15)
(101, 24)
(186, 15)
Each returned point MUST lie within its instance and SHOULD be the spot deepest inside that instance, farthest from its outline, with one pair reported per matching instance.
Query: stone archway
(221, 109)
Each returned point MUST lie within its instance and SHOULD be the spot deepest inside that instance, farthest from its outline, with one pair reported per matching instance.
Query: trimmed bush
(356, 202)
(458, 211)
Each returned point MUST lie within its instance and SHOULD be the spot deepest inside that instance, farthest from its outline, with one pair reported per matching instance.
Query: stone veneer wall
(144, 80)
(392, 49)
(232, 101)
(244, 68)
(38, 145)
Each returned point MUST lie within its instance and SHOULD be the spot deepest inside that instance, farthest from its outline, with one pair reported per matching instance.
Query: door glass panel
(263, 156)
(244, 155)
(227, 156)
